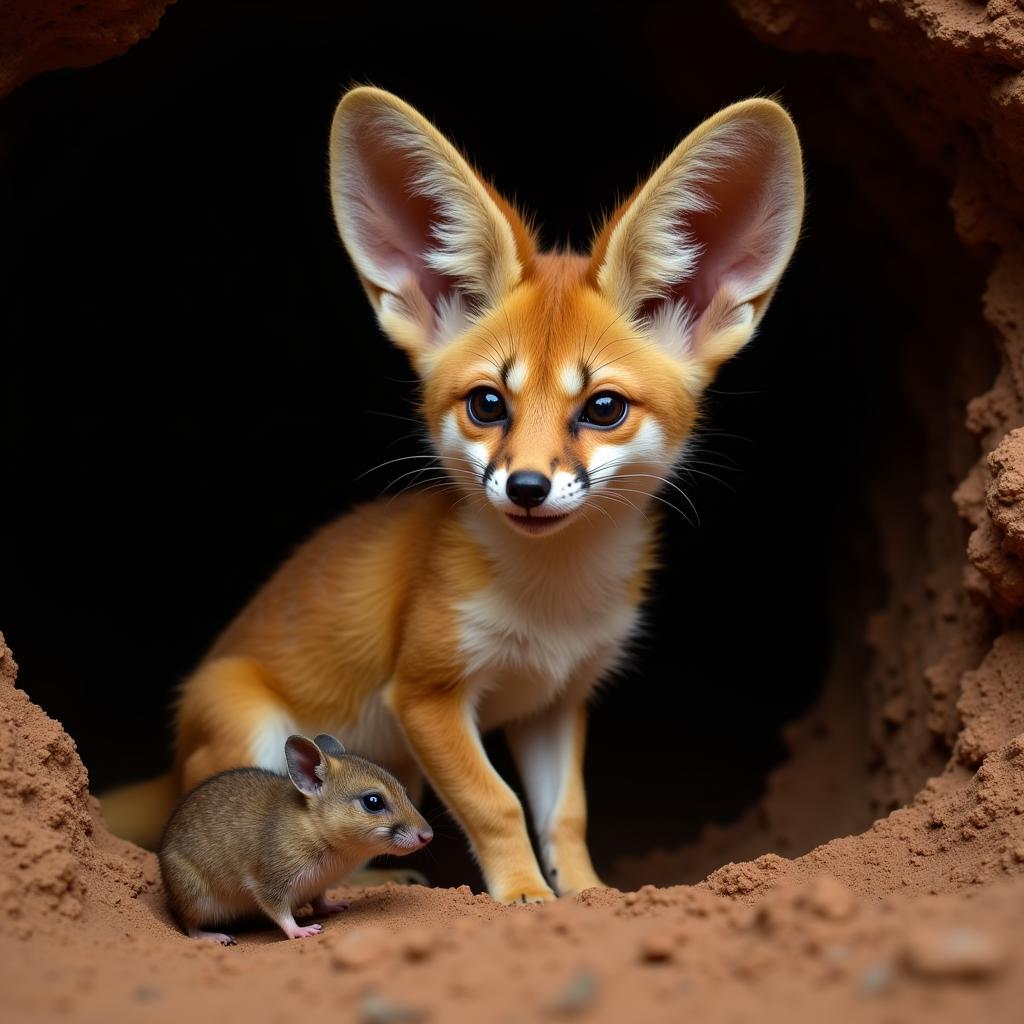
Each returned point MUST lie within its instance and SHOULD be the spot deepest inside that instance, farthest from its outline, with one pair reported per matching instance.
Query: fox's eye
(605, 409)
(373, 802)
(486, 407)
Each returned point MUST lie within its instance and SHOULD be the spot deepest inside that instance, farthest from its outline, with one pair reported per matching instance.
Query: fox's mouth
(535, 525)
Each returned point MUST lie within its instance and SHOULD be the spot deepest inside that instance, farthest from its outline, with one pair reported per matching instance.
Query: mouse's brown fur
(251, 839)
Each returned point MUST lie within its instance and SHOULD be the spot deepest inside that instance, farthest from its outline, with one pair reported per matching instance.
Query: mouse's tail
(139, 812)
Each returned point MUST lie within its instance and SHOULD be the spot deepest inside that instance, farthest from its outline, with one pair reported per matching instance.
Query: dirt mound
(57, 862)
(852, 927)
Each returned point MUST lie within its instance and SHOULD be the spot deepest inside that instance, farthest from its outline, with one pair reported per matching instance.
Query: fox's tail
(139, 812)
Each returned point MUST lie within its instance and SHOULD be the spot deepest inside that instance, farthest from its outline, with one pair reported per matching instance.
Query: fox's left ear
(694, 255)
(432, 242)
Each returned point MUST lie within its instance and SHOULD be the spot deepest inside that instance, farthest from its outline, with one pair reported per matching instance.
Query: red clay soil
(45, 34)
(918, 916)
(915, 917)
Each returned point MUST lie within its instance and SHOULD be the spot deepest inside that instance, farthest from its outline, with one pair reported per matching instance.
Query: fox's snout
(527, 488)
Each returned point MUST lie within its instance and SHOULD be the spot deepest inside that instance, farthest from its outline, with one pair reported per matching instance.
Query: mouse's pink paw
(219, 937)
(304, 931)
(322, 906)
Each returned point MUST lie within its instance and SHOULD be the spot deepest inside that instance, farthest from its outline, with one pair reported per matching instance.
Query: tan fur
(415, 624)
(248, 840)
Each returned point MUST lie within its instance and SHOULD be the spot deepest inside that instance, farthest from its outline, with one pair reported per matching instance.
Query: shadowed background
(192, 379)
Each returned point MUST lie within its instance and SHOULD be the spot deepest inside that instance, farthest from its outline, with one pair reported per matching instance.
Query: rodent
(250, 839)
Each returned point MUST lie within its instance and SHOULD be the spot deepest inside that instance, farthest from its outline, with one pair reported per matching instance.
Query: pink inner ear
(395, 223)
(303, 758)
(740, 233)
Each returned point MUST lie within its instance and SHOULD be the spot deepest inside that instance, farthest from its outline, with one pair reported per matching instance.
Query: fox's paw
(304, 931)
(523, 891)
(568, 868)
(571, 884)
(373, 876)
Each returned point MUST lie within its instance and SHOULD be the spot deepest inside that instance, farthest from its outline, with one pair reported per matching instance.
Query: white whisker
(664, 501)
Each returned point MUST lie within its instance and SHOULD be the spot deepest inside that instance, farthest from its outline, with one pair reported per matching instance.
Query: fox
(560, 391)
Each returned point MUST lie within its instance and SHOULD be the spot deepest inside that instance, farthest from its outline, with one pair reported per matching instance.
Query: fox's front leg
(442, 733)
(548, 750)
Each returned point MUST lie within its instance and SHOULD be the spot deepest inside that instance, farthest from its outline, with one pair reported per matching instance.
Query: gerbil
(250, 839)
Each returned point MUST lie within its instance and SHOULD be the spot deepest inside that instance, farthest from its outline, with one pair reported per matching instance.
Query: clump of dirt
(996, 547)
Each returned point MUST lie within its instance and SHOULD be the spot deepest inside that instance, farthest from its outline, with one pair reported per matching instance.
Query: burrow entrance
(195, 382)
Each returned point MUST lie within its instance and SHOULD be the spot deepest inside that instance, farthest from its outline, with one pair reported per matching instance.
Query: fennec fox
(559, 391)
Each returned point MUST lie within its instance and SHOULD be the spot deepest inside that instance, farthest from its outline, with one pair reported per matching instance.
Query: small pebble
(953, 953)
(360, 947)
(578, 995)
(875, 978)
(377, 1009)
(417, 944)
(829, 898)
(657, 947)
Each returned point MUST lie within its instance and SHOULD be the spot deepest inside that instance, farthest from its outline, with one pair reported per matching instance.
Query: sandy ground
(918, 918)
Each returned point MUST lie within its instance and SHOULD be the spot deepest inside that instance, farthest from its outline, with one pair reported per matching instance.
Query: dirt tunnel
(196, 382)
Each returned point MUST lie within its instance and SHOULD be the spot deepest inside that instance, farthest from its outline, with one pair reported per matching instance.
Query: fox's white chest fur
(551, 619)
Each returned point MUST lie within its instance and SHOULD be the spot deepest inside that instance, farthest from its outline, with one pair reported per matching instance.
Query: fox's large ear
(431, 241)
(694, 255)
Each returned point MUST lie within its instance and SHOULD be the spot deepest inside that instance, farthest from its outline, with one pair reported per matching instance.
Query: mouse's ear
(306, 765)
(330, 745)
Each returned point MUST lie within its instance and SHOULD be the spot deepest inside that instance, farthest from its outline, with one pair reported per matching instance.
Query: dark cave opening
(193, 380)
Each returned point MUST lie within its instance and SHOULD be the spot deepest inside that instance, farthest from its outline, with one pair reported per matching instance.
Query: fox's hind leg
(229, 717)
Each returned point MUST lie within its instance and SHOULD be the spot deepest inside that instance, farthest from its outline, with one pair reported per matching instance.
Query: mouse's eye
(373, 802)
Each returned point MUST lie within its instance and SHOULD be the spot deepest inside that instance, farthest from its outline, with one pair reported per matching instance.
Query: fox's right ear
(433, 243)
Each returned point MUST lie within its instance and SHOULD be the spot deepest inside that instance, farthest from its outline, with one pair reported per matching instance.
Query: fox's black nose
(527, 488)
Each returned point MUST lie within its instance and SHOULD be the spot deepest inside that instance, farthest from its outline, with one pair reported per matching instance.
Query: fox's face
(553, 404)
(562, 388)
